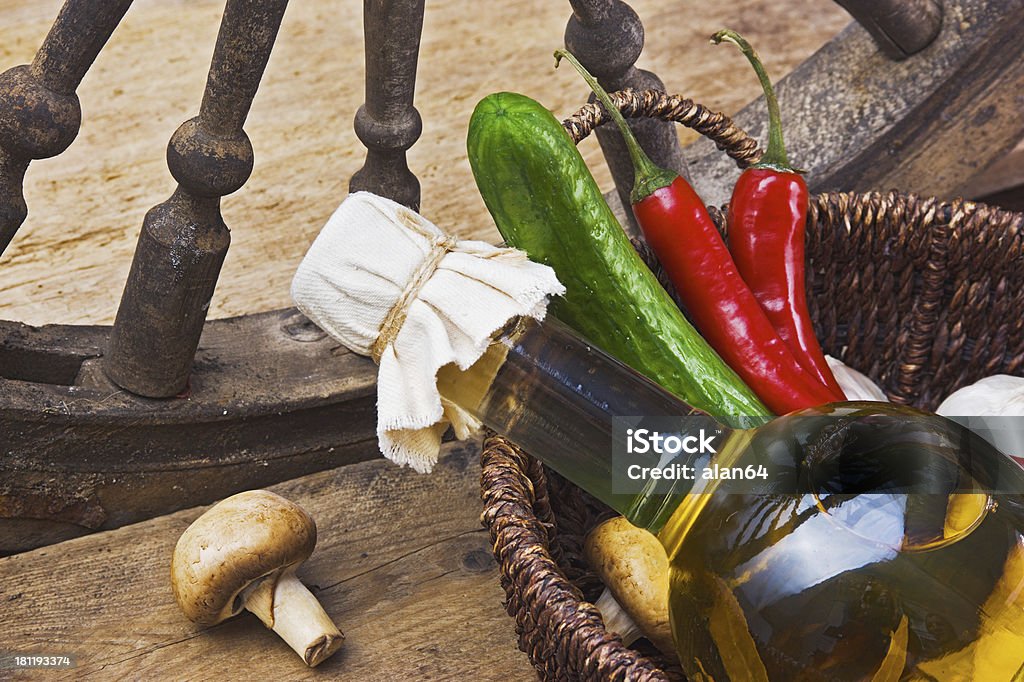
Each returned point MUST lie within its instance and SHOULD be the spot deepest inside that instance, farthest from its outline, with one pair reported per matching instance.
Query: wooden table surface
(402, 565)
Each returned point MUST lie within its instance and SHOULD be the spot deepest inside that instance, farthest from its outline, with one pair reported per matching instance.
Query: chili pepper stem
(648, 177)
(775, 156)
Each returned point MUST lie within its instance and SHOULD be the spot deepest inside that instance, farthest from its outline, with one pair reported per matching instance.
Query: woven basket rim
(714, 125)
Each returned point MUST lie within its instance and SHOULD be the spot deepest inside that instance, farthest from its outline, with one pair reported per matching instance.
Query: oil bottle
(885, 544)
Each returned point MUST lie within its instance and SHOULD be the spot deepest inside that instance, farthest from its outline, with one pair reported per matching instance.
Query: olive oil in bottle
(883, 570)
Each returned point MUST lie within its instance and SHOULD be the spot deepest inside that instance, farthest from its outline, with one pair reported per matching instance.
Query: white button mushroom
(242, 553)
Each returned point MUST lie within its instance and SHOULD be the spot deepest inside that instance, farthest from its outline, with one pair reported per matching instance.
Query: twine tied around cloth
(395, 318)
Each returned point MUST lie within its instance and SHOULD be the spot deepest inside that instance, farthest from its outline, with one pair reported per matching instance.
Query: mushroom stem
(289, 609)
(615, 618)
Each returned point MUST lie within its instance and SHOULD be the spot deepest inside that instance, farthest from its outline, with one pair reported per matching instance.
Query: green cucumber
(545, 201)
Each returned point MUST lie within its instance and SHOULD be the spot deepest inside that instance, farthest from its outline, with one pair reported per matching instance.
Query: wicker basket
(923, 296)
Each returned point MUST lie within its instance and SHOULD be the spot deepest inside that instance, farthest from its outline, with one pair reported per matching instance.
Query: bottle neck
(571, 405)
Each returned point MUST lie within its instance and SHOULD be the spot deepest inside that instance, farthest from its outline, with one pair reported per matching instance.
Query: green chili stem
(648, 177)
(775, 155)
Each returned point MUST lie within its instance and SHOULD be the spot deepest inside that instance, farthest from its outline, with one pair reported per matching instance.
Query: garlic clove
(1000, 394)
(855, 384)
(988, 402)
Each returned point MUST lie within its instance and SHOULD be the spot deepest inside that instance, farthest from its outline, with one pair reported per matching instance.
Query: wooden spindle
(39, 111)
(388, 123)
(900, 27)
(184, 240)
(607, 37)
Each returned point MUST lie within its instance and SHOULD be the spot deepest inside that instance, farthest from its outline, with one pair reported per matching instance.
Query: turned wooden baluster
(900, 27)
(39, 110)
(387, 123)
(184, 239)
(607, 37)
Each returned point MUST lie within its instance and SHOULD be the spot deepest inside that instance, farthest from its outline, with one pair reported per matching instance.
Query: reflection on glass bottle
(889, 544)
(886, 569)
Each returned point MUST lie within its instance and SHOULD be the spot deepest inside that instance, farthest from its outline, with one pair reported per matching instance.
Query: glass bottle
(886, 543)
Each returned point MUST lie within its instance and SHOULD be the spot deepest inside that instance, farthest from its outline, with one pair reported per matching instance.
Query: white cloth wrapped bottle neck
(387, 283)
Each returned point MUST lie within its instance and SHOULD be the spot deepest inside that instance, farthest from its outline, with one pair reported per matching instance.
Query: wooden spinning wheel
(103, 426)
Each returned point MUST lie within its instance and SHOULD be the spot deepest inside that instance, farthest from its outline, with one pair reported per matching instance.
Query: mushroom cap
(237, 541)
(633, 565)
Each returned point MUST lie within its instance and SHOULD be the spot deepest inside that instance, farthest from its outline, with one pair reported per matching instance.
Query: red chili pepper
(767, 218)
(679, 230)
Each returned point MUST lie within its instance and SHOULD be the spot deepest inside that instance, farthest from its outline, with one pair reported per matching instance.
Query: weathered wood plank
(402, 565)
(1005, 173)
